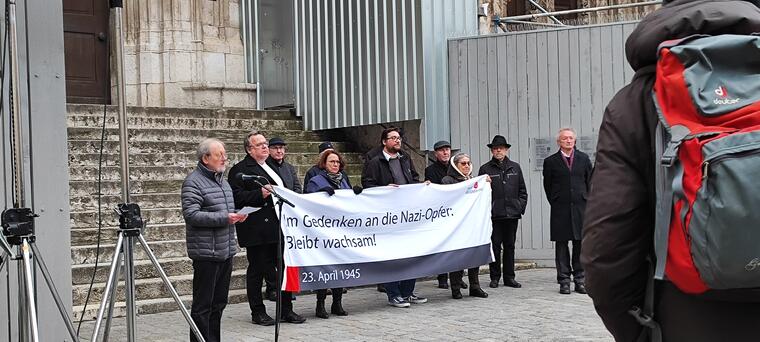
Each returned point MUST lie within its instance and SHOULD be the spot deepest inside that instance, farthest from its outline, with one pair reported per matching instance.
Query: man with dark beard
(393, 168)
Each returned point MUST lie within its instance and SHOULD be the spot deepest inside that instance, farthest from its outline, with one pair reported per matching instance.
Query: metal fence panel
(526, 86)
(377, 61)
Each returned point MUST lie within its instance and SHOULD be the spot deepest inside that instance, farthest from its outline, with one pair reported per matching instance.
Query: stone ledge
(220, 86)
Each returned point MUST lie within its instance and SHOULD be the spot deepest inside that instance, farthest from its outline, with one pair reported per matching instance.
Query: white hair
(204, 148)
(566, 129)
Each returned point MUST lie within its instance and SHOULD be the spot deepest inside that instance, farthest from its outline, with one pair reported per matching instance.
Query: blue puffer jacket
(206, 201)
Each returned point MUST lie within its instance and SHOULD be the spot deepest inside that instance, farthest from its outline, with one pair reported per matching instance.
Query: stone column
(185, 53)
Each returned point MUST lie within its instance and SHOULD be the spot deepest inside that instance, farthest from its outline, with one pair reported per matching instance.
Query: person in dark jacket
(259, 234)
(509, 199)
(277, 153)
(209, 212)
(329, 179)
(435, 173)
(460, 169)
(393, 168)
(619, 223)
(566, 178)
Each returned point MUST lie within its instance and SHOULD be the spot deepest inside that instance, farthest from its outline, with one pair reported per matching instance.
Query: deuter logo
(722, 92)
(473, 189)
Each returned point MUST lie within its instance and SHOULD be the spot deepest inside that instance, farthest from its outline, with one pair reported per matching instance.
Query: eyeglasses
(278, 147)
(263, 144)
(334, 161)
(394, 138)
(465, 163)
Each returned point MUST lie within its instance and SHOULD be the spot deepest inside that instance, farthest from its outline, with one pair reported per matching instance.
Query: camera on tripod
(18, 222)
(129, 216)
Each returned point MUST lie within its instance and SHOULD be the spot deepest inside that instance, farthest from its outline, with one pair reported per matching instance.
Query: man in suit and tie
(567, 176)
(260, 232)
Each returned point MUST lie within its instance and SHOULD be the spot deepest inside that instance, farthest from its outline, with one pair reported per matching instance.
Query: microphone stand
(278, 303)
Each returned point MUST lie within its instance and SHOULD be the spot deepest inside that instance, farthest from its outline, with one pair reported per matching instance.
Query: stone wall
(185, 54)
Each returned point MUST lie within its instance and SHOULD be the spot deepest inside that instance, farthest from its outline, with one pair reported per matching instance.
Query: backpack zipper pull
(705, 169)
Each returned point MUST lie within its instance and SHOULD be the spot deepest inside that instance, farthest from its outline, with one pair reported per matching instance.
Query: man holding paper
(208, 210)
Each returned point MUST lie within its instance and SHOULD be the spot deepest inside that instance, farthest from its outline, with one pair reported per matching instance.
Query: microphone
(244, 177)
(357, 189)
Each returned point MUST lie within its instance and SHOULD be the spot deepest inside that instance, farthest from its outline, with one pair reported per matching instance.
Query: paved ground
(536, 312)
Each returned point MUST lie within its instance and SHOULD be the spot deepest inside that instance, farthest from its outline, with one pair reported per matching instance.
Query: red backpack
(707, 225)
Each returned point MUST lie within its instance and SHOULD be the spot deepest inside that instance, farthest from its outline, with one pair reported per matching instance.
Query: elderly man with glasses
(260, 232)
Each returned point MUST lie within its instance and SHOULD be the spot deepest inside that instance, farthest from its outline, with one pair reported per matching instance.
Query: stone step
(188, 158)
(192, 135)
(151, 233)
(150, 288)
(144, 186)
(135, 172)
(149, 306)
(176, 171)
(162, 249)
(153, 216)
(82, 274)
(93, 146)
(139, 122)
(205, 113)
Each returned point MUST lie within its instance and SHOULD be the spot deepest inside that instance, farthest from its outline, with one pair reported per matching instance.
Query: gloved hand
(329, 190)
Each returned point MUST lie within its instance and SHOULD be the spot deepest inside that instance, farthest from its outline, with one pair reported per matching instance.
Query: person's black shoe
(381, 288)
(512, 283)
(478, 292)
(493, 284)
(456, 294)
(261, 318)
(337, 308)
(292, 317)
(320, 311)
(564, 288)
(580, 288)
(443, 284)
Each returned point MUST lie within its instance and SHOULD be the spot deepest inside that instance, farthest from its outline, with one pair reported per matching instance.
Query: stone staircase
(162, 143)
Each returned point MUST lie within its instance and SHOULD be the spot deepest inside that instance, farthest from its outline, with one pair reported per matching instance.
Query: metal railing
(585, 16)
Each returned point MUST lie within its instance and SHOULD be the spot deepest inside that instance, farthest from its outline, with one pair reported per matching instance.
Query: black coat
(262, 226)
(567, 191)
(377, 172)
(288, 174)
(436, 171)
(619, 224)
(510, 197)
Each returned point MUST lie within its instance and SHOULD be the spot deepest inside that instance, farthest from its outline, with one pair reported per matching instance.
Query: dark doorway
(85, 39)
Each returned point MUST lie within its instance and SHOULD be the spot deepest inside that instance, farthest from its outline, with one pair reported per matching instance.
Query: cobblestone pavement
(536, 312)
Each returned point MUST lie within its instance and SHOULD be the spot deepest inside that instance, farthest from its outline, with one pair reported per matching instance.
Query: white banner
(350, 240)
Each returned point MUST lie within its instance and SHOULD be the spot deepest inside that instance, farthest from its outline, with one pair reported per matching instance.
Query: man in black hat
(435, 173)
(509, 199)
(277, 151)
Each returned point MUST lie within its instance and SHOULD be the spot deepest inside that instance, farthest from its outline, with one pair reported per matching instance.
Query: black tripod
(130, 228)
(18, 230)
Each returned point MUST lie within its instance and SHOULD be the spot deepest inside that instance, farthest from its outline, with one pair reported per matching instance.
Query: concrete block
(181, 67)
(234, 68)
(150, 67)
(213, 67)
